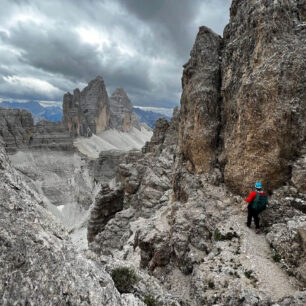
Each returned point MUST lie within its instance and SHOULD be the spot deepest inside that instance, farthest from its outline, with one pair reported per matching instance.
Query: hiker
(257, 203)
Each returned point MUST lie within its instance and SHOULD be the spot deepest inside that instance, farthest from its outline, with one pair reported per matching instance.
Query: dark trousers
(252, 214)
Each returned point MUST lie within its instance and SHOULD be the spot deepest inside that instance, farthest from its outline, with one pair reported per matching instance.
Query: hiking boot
(257, 231)
(249, 226)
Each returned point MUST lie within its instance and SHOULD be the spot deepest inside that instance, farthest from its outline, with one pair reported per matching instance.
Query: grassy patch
(150, 301)
(276, 257)
(124, 279)
(228, 236)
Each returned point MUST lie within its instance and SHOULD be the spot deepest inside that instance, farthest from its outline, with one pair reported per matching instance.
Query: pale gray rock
(91, 111)
(88, 111)
(122, 116)
(19, 132)
(201, 102)
(50, 135)
(107, 203)
(263, 90)
(106, 167)
(16, 128)
(299, 172)
(39, 265)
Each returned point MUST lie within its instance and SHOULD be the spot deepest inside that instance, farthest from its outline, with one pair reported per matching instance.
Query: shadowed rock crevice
(107, 203)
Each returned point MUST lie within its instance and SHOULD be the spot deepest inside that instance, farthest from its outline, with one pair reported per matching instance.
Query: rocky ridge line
(91, 111)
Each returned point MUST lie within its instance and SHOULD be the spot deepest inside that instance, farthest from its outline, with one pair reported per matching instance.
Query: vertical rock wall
(19, 132)
(263, 91)
(200, 102)
(247, 117)
(122, 115)
(16, 128)
(87, 112)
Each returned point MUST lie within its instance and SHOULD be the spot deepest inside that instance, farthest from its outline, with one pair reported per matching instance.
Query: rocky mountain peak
(87, 112)
(122, 117)
(121, 99)
(200, 101)
(91, 111)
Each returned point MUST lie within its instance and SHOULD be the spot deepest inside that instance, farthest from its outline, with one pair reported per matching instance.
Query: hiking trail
(257, 256)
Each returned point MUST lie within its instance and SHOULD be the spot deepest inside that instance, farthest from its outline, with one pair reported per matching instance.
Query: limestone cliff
(19, 132)
(16, 128)
(91, 111)
(122, 116)
(39, 264)
(263, 91)
(87, 111)
(247, 116)
(201, 101)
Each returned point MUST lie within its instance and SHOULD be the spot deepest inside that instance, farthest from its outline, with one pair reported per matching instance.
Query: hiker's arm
(251, 197)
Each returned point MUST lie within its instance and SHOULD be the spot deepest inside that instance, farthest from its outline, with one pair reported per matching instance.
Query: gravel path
(256, 255)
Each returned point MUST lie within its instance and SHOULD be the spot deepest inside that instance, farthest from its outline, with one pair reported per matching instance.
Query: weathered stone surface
(61, 178)
(16, 128)
(107, 203)
(263, 91)
(159, 134)
(19, 132)
(50, 135)
(87, 112)
(122, 117)
(106, 167)
(299, 173)
(298, 299)
(201, 102)
(92, 111)
(39, 265)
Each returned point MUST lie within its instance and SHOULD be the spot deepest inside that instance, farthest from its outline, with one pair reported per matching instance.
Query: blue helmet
(258, 185)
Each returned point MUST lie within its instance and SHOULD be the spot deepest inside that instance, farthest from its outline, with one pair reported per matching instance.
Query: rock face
(51, 135)
(47, 269)
(258, 127)
(106, 167)
(299, 172)
(92, 112)
(263, 91)
(242, 119)
(16, 128)
(122, 117)
(87, 112)
(107, 203)
(201, 102)
(19, 132)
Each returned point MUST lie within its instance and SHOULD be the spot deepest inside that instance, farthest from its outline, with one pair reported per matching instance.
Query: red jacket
(252, 196)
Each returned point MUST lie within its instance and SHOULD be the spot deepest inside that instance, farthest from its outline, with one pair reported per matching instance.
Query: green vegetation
(150, 301)
(211, 284)
(228, 236)
(248, 274)
(124, 279)
(276, 257)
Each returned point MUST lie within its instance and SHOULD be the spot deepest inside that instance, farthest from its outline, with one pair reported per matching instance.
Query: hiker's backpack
(260, 203)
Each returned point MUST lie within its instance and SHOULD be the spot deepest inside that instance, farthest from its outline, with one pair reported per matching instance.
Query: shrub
(276, 257)
(228, 236)
(249, 274)
(150, 301)
(124, 279)
(211, 284)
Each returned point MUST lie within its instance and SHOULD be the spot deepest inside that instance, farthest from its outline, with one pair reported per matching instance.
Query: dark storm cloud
(50, 47)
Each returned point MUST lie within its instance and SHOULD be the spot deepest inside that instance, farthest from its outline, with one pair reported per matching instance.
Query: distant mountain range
(54, 113)
(149, 117)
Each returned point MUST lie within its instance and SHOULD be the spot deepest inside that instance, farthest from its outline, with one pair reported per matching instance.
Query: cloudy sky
(49, 47)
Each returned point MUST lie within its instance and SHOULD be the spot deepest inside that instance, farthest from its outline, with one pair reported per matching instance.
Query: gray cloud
(50, 47)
